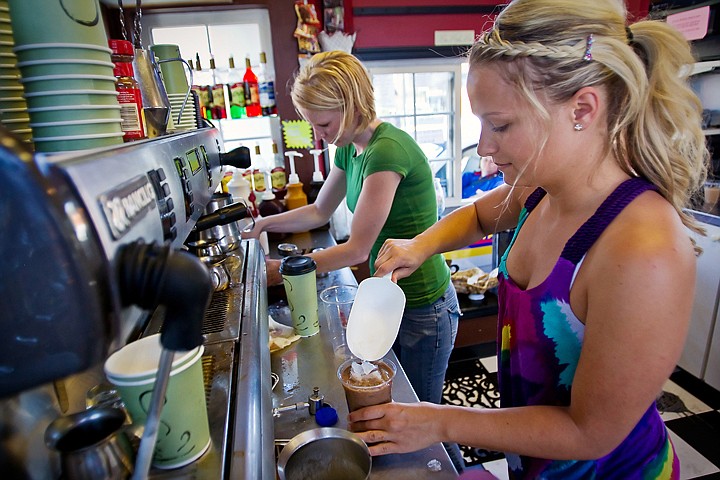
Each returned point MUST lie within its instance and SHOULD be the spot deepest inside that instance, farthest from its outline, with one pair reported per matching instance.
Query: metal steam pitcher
(156, 105)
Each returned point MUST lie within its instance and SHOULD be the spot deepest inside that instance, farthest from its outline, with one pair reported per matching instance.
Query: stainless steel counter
(310, 362)
(709, 214)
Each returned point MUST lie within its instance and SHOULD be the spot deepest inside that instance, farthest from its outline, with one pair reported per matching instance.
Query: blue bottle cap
(326, 417)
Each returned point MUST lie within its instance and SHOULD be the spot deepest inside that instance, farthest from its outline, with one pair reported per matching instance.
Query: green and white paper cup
(184, 433)
(172, 68)
(298, 274)
(38, 21)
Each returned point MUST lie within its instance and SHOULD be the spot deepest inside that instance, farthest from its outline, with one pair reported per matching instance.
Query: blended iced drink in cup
(366, 383)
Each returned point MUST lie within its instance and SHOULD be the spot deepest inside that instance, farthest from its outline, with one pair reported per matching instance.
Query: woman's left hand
(396, 427)
(273, 272)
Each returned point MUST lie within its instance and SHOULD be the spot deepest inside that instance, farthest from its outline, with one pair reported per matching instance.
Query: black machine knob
(238, 158)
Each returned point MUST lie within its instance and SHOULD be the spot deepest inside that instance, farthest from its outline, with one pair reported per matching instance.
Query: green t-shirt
(414, 207)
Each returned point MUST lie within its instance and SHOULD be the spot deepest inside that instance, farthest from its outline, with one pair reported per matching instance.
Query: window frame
(452, 65)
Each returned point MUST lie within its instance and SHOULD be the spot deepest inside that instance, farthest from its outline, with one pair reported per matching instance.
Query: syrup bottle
(252, 93)
(277, 174)
(236, 89)
(317, 178)
(295, 196)
(129, 95)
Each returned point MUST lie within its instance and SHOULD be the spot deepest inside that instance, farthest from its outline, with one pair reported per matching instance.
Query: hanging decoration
(333, 37)
(306, 31)
(334, 16)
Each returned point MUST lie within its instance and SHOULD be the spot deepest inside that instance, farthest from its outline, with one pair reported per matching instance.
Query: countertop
(707, 213)
(310, 362)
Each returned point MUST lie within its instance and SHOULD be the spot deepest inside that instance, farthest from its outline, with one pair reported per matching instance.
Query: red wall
(396, 26)
(412, 31)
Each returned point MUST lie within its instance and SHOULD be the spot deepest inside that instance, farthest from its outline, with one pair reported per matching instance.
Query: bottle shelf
(249, 128)
(243, 119)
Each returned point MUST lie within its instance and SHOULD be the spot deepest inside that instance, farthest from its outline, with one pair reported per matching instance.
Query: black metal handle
(238, 158)
(222, 216)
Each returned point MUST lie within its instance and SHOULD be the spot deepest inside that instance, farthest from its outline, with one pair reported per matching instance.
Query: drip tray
(222, 318)
(217, 365)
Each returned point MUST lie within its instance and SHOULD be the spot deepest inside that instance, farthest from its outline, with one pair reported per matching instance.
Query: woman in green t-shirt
(388, 184)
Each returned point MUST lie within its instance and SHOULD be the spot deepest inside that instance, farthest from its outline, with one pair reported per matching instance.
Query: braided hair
(550, 49)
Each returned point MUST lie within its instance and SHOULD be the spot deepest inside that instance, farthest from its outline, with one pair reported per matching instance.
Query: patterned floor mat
(469, 384)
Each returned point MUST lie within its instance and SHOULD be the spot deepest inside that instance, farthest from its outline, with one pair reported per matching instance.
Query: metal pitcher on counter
(156, 105)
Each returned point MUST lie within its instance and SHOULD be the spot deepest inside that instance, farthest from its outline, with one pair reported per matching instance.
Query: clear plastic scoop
(375, 317)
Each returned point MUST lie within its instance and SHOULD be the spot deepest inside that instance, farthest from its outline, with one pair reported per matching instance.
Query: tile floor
(691, 410)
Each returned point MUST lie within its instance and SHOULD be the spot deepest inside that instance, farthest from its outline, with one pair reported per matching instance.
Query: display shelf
(249, 128)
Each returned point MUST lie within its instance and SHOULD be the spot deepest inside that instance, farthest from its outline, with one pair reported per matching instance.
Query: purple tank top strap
(583, 239)
(534, 198)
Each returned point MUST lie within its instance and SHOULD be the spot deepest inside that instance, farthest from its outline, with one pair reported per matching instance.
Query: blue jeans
(424, 343)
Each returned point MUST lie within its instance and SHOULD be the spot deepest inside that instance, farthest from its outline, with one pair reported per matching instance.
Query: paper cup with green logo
(183, 433)
(298, 274)
(172, 68)
(35, 21)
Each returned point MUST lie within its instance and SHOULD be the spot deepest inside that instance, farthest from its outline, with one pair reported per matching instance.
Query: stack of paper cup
(66, 74)
(13, 109)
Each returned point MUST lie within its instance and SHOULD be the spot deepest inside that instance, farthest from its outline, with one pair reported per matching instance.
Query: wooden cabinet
(704, 335)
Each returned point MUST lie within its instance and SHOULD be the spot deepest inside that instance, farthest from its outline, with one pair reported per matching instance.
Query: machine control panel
(165, 203)
(163, 183)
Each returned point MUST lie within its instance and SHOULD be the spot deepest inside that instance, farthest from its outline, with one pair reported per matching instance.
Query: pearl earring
(577, 127)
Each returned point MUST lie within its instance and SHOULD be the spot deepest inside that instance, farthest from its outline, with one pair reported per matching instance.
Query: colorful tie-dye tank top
(539, 342)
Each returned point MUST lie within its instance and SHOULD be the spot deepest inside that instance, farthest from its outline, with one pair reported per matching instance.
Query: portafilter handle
(223, 216)
(150, 275)
(238, 158)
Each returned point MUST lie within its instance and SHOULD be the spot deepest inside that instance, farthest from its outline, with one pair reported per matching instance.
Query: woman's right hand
(400, 256)
(255, 232)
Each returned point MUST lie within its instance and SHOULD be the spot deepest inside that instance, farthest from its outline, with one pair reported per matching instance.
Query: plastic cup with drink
(366, 383)
(372, 328)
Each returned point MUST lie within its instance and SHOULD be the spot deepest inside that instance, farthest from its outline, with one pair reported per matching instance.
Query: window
(428, 100)
(237, 33)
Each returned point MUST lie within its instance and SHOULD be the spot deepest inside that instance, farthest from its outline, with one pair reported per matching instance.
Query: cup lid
(297, 265)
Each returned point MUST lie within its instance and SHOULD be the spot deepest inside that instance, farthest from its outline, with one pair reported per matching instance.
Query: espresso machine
(94, 258)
